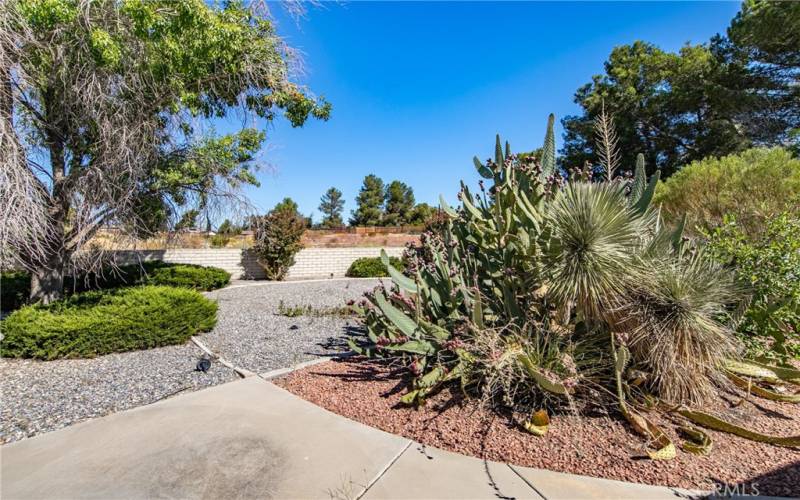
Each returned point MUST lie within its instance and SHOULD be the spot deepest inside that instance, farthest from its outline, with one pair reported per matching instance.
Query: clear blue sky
(418, 88)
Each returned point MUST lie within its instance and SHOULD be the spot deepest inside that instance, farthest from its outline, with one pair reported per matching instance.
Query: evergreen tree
(286, 204)
(369, 211)
(399, 204)
(188, 220)
(229, 228)
(331, 205)
(713, 99)
(421, 214)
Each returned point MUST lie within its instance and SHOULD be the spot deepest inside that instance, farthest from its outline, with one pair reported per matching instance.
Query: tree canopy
(103, 106)
(331, 205)
(369, 203)
(400, 201)
(705, 100)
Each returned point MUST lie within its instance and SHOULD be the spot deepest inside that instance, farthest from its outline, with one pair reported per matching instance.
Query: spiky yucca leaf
(595, 236)
(676, 334)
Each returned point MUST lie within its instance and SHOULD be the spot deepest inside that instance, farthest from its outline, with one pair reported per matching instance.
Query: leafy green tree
(109, 92)
(399, 200)
(331, 205)
(369, 210)
(277, 238)
(713, 99)
(664, 105)
(421, 214)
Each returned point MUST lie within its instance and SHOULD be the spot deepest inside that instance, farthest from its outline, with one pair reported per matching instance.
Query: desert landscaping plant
(277, 240)
(191, 276)
(317, 312)
(768, 264)
(553, 288)
(16, 284)
(95, 323)
(753, 186)
(372, 267)
(152, 272)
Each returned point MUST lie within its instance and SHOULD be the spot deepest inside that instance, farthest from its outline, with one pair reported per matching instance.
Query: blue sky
(418, 88)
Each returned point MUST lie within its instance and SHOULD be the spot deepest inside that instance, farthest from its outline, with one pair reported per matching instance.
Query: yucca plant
(532, 269)
(676, 332)
(595, 238)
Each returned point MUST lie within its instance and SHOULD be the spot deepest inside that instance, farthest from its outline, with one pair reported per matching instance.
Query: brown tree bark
(47, 282)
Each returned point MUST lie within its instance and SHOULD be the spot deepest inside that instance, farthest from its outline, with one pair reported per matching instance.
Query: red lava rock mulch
(368, 392)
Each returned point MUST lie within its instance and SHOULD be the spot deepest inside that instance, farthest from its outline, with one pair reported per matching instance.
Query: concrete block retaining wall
(242, 264)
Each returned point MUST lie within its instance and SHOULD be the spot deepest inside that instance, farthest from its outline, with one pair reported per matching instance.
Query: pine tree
(188, 220)
(369, 211)
(421, 214)
(399, 204)
(288, 205)
(331, 205)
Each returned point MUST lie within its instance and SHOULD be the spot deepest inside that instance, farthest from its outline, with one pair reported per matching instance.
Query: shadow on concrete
(781, 482)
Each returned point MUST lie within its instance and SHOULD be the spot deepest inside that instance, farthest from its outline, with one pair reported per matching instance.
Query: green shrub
(189, 276)
(371, 267)
(770, 266)
(220, 240)
(15, 288)
(95, 323)
(752, 186)
(15, 285)
(153, 273)
(277, 240)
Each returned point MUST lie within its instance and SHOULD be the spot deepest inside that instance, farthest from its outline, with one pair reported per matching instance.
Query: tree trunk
(47, 282)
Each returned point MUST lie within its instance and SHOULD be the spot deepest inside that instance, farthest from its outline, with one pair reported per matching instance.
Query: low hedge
(189, 276)
(15, 288)
(154, 273)
(372, 267)
(94, 323)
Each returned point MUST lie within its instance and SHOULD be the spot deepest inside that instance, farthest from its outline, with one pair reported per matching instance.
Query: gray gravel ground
(250, 334)
(40, 396)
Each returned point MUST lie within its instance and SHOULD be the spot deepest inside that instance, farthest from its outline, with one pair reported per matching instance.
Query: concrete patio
(251, 439)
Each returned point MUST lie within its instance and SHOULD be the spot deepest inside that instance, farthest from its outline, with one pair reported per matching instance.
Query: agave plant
(529, 271)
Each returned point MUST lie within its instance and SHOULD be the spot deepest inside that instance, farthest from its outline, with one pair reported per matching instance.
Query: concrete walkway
(252, 439)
